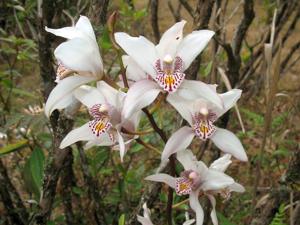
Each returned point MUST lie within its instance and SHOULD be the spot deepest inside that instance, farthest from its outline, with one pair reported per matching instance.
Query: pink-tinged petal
(191, 90)
(187, 159)
(215, 180)
(85, 26)
(229, 99)
(180, 140)
(112, 96)
(195, 205)
(144, 221)
(121, 145)
(164, 178)
(227, 142)
(83, 133)
(131, 124)
(213, 214)
(222, 163)
(61, 96)
(133, 70)
(236, 187)
(192, 45)
(170, 40)
(141, 50)
(81, 55)
(139, 95)
(89, 96)
(180, 105)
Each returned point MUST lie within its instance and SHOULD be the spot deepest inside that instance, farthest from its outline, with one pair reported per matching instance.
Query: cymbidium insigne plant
(115, 115)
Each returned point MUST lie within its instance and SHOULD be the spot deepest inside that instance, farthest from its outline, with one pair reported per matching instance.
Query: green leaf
(207, 69)
(33, 172)
(37, 166)
(13, 147)
(122, 219)
(223, 220)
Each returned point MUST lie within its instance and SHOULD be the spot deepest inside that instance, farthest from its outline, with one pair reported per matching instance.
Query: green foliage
(13, 147)
(223, 220)
(33, 172)
(279, 218)
(256, 118)
(279, 120)
(122, 220)
(205, 70)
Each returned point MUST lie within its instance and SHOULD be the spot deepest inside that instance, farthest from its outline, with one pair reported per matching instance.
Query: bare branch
(154, 19)
(188, 8)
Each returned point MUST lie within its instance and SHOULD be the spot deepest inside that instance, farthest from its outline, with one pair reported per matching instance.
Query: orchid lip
(188, 182)
(203, 124)
(169, 73)
(101, 123)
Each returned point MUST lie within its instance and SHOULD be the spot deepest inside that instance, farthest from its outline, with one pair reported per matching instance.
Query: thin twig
(154, 19)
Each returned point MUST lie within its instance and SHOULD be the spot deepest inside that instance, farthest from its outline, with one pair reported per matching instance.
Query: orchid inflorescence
(115, 114)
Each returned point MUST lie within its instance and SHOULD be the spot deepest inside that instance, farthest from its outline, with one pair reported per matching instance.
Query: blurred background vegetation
(93, 187)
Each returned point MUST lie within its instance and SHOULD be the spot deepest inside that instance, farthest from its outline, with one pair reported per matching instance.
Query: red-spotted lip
(169, 75)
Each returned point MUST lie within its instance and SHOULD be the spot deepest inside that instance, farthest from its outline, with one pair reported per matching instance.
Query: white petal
(144, 221)
(82, 29)
(147, 212)
(227, 142)
(83, 133)
(140, 95)
(61, 96)
(229, 99)
(81, 55)
(202, 169)
(187, 159)
(236, 187)
(121, 145)
(191, 90)
(170, 40)
(180, 105)
(89, 96)
(112, 96)
(180, 140)
(195, 205)
(192, 45)
(189, 222)
(164, 178)
(213, 214)
(214, 180)
(222, 163)
(133, 70)
(84, 25)
(140, 49)
(66, 32)
(103, 140)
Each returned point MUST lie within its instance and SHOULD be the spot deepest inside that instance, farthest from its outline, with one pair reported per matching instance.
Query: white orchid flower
(161, 67)
(201, 115)
(146, 220)
(195, 179)
(221, 165)
(105, 129)
(78, 56)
